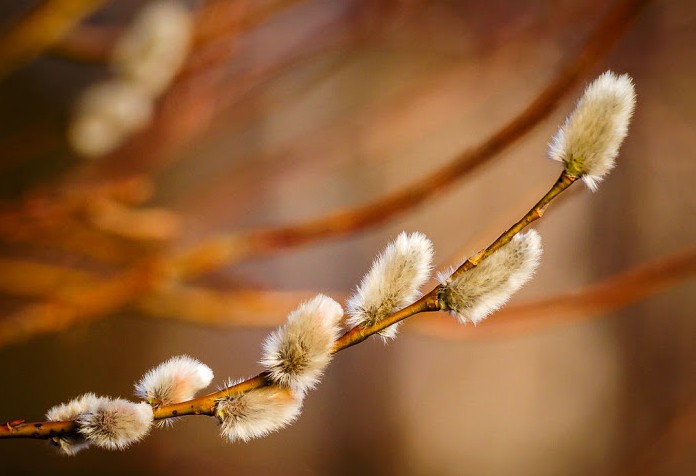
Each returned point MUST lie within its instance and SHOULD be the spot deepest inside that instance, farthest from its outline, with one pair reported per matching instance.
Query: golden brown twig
(432, 301)
(73, 237)
(41, 28)
(74, 304)
(66, 220)
(216, 308)
(145, 224)
(428, 303)
(26, 278)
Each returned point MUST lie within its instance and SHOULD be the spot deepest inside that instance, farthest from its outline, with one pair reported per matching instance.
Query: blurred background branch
(41, 28)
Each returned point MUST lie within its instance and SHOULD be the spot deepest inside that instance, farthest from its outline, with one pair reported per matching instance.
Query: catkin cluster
(144, 61)
(115, 424)
(295, 355)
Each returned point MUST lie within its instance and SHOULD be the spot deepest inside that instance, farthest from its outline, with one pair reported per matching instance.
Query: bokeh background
(288, 110)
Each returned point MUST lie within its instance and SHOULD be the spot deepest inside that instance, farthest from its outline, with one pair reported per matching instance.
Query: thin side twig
(40, 29)
(44, 279)
(80, 306)
(219, 308)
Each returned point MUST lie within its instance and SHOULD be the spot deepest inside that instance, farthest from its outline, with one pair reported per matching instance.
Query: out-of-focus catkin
(107, 113)
(153, 48)
(146, 59)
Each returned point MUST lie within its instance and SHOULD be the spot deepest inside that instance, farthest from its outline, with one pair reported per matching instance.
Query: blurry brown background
(299, 108)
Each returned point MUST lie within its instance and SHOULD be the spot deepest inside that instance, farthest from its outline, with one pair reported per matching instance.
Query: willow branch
(133, 190)
(74, 237)
(44, 279)
(205, 405)
(233, 248)
(77, 304)
(215, 308)
(40, 29)
(143, 224)
(44, 211)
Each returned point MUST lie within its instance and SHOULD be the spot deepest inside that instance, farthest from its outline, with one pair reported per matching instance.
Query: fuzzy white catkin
(71, 445)
(589, 140)
(176, 380)
(146, 58)
(297, 353)
(101, 421)
(253, 414)
(474, 294)
(154, 46)
(393, 282)
(106, 114)
(115, 424)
